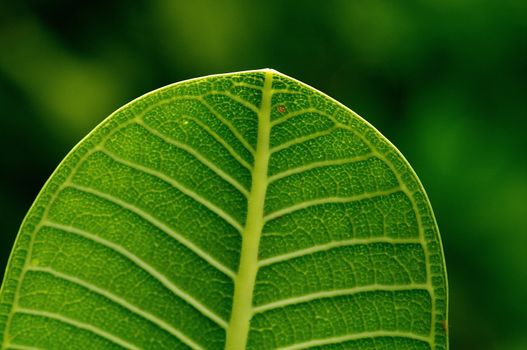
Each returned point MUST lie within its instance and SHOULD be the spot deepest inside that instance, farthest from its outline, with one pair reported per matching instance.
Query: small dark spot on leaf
(281, 109)
(444, 325)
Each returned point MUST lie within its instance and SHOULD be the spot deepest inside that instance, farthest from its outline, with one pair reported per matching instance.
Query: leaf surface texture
(236, 211)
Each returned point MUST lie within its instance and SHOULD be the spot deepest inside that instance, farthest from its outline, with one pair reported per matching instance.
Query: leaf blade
(279, 180)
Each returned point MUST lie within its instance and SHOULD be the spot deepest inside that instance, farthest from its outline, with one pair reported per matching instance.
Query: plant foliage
(236, 211)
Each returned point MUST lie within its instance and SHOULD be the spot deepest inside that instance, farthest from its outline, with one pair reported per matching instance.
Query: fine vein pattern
(236, 211)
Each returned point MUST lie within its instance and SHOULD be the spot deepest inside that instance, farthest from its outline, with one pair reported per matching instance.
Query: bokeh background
(445, 81)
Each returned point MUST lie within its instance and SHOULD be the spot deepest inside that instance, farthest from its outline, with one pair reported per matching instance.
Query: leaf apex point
(271, 70)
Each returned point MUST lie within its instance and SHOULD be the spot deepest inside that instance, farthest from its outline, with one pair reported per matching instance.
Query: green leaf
(234, 211)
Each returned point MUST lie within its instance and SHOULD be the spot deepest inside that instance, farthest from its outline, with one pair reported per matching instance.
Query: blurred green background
(445, 81)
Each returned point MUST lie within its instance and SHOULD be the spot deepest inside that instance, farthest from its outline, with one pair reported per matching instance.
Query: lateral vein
(21, 347)
(206, 162)
(337, 293)
(161, 226)
(318, 164)
(198, 198)
(119, 301)
(237, 99)
(228, 124)
(359, 336)
(332, 245)
(404, 187)
(144, 266)
(302, 139)
(224, 143)
(78, 324)
(290, 115)
(326, 200)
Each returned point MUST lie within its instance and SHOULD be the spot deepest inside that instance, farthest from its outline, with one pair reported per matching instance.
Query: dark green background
(445, 81)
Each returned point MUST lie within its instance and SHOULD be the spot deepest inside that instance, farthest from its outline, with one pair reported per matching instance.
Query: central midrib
(242, 310)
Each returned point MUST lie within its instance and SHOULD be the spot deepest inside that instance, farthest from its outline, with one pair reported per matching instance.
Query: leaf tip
(270, 70)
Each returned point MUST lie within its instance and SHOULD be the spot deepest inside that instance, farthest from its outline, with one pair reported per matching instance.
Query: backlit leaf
(234, 211)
